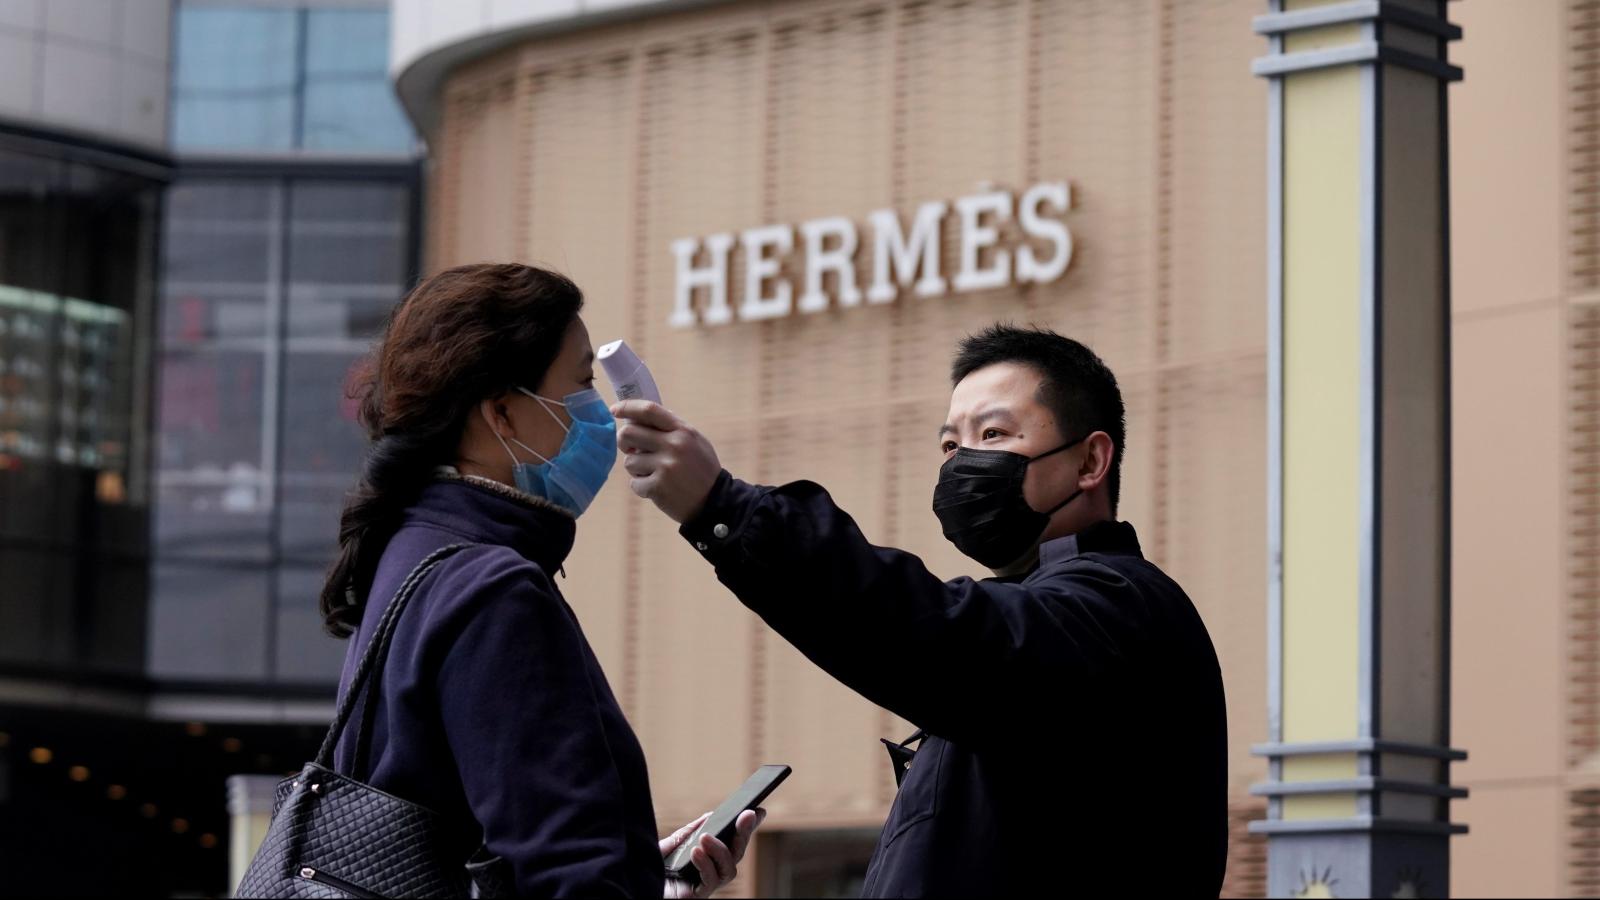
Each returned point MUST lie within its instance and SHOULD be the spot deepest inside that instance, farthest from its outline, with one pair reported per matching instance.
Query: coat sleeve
(522, 720)
(963, 659)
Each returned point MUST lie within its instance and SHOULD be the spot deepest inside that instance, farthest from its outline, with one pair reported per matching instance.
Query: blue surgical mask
(572, 477)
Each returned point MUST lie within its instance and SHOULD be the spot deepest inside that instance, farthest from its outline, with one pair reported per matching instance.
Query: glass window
(311, 504)
(349, 104)
(211, 412)
(324, 438)
(77, 256)
(217, 443)
(322, 451)
(215, 484)
(75, 286)
(221, 251)
(348, 258)
(113, 625)
(194, 313)
(305, 652)
(284, 78)
(210, 622)
(234, 78)
(275, 286)
(228, 519)
(222, 232)
(38, 590)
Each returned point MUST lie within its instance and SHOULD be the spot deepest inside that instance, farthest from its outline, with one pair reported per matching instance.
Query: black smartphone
(721, 822)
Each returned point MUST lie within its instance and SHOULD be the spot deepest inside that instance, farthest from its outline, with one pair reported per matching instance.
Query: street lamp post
(1359, 456)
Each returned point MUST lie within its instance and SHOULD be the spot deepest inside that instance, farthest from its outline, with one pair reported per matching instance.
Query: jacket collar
(488, 512)
(1101, 537)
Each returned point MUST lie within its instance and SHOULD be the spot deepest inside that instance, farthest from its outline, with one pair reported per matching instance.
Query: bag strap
(369, 709)
(373, 659)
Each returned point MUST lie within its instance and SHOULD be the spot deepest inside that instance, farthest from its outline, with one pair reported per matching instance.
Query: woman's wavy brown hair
(460, 336)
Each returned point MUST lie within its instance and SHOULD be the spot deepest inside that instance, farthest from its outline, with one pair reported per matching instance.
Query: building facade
(697, 168)
(206, 209)
(290, 233)
(83, 164)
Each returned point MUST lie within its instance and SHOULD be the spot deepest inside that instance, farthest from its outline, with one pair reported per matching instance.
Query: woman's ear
(495, 415)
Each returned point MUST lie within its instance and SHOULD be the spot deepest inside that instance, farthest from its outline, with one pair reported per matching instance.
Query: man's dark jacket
(1077, 737)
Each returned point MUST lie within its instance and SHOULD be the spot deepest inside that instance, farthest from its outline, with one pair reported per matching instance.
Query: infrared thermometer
(627, 373)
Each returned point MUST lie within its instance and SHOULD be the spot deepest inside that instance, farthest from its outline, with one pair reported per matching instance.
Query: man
(1073, 735)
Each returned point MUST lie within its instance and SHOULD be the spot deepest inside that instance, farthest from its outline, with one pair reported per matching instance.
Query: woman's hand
(716, 862)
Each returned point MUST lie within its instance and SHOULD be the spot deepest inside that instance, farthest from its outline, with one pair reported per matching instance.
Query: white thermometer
(627, 373)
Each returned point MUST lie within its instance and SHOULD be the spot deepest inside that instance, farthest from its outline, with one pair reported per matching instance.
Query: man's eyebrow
(993, 412)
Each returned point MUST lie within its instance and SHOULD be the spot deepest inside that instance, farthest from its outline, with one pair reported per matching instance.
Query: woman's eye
(990, 434)
(948, 446)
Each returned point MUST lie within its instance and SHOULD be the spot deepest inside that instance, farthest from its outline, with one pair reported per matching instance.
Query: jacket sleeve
(963, 659)
(522, 720)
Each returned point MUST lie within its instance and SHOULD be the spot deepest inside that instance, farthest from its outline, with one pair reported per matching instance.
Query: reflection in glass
(77, 250)
(74, 288)
(348, 256)
(305, 652)
(284, 78)
(349, 104)
(66, 383)
(234, 78)
(208, 622)
(275, 286)
(324, 438)
(212, 405)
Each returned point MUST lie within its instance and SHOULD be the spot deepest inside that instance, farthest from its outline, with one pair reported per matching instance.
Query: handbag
(333, 836)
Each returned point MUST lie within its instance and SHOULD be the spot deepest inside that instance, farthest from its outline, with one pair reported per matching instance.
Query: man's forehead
(1003, 388)
(1000, 383)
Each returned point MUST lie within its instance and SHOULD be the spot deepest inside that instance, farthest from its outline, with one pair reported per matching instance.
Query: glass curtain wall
(282, 78)
(274, 287)
(77, 256)
(290, 233)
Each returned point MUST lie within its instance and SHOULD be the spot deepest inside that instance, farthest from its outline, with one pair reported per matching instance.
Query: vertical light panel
(1321, 414)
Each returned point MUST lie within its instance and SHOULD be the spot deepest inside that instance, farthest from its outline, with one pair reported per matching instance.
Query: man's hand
(670, 463)
(716, 862)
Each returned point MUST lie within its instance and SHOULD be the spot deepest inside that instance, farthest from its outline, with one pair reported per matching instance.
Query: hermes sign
(904, 256)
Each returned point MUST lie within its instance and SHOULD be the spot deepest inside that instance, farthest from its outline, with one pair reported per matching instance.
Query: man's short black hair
(1077, 388)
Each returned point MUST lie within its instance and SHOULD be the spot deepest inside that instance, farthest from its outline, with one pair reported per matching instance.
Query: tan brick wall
(591, 152)
(1247, 853)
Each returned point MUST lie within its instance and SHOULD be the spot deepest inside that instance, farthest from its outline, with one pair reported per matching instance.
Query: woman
(486, 430)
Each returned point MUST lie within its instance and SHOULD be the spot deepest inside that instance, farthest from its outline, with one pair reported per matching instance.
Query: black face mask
(980, 505)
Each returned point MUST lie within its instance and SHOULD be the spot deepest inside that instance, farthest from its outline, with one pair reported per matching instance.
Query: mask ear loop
(1070, 497)
(507, 447)
(545, 404)
(542, 458)
(1075, 494)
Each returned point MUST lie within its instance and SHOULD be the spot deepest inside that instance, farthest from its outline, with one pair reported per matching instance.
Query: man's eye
(948, 446)
(990, 433)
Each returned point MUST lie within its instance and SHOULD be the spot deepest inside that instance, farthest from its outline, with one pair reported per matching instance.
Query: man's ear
(1096, 466)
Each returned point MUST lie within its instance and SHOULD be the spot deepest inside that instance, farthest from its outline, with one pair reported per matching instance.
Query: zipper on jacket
(338, 883)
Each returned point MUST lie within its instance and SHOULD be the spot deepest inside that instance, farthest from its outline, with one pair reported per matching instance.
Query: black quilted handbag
(332, 836)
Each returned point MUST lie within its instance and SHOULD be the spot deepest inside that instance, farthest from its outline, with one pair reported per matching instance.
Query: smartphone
(629, 376)
(721, 822)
